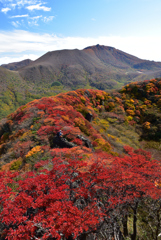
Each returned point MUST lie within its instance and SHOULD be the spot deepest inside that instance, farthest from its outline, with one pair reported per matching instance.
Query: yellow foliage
(100, 96)
(146, 125)
(83, 99)
(143, 106)
(104, 124)
(16, 165)
(28, 133)
(34, 151)
(65, 118)
(111, 104)
(13, 165)
(129, 118)
(49, 121)
(100, 141)
(130, 112)
(130, 104)
(79, 122)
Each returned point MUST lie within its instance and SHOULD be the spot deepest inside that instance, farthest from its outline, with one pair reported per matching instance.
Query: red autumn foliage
(74, 198)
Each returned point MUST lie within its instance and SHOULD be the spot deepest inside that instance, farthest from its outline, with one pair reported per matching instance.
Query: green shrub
(56, 84)
(16, 165)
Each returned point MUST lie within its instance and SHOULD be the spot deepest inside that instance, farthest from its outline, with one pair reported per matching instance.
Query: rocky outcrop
(86, 141)
(89, 117)
(59, 142)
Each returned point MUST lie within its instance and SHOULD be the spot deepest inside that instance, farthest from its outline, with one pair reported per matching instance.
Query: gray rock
(59, 142)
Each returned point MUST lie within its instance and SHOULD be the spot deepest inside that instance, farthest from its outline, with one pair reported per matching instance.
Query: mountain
(95, 67)
(95, 179)
(16, 65)
(98, 66)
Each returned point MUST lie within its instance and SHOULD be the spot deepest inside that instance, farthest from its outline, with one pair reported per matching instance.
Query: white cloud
(5, 10)
(48, 19)
(5, 60)
(16, 24)
(26, 2)
(38, 7)
(34, 20)
(33, 23)
(19, 42)
(36, 17)
(13, 5)
(20, 16)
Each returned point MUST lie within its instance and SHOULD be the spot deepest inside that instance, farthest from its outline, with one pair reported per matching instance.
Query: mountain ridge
(14, 66)
(102, 67)
(95, 67)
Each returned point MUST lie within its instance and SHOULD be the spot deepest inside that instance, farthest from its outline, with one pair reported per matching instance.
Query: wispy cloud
(38, 7)
(5, 10)
(32, 6)
(38, 44)
(33, 21)
(20, 16)
(16, 24)
(48, 19)
(13, 5)
(27, 2)
(36, 17)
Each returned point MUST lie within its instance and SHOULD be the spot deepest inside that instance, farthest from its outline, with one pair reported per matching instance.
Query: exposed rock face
(89, 117)
(87, 142)
(59, 142)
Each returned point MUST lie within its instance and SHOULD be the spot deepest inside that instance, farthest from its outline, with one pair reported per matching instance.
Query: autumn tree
(69, 197)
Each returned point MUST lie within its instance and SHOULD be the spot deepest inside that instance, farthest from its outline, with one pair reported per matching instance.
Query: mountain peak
(99, 47)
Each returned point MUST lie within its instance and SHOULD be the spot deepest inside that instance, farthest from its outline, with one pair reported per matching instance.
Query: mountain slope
(89, 118)
(15, 91)
(16, 65)
(97, 66)
(89, 178)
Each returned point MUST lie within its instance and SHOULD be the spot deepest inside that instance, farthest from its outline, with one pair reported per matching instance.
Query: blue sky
(30, 28)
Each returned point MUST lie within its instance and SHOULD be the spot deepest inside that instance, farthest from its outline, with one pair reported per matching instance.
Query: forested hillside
(96, 180)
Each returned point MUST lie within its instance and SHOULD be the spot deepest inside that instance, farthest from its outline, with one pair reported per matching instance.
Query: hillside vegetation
(95, 67)
(95, 181)
(15, 92)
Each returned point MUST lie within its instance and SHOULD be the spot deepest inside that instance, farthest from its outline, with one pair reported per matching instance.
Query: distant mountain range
(97, 67)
